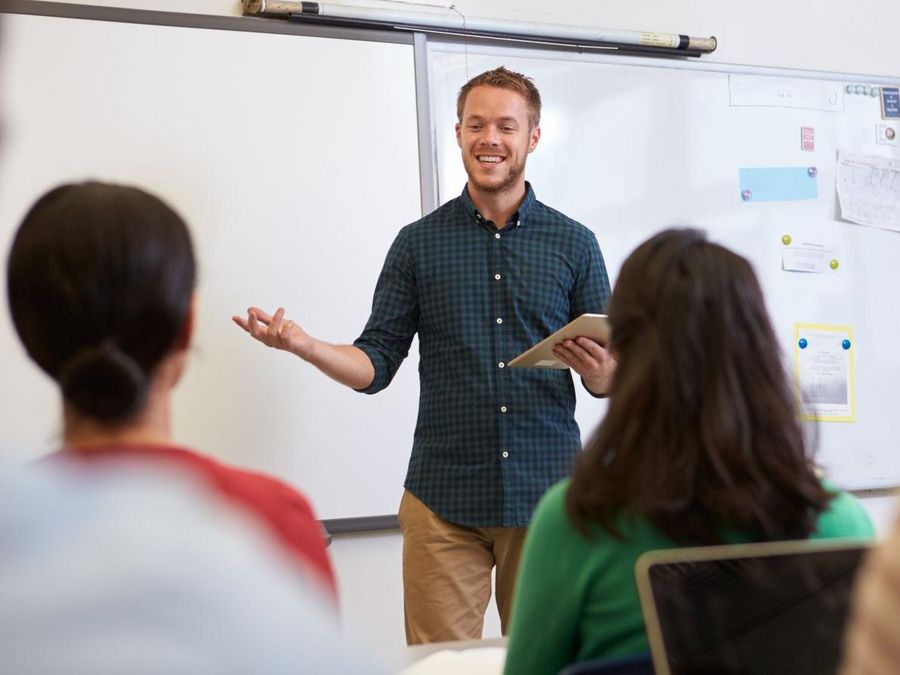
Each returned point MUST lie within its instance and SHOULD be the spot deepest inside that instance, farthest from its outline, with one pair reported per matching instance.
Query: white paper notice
(784, 92)
(868, 188)
(823, 368)
(810, 255)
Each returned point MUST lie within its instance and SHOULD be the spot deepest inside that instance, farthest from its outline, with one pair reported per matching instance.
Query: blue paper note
(778, 184)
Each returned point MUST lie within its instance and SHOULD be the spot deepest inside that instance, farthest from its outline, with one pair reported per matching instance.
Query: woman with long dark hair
(101, 285)
(701, 445)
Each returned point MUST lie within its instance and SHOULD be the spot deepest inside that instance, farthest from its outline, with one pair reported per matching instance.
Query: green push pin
(786, 240)
(834, 264)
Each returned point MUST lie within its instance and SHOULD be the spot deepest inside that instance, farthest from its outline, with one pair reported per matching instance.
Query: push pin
(802, 343)
(786, 240)
(746, 195)
(812, 171)
(845, 344)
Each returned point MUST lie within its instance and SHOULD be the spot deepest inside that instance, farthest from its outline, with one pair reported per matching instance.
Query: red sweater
(283, 510)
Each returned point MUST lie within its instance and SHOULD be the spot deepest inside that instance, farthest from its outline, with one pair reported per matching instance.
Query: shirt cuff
(381, 379)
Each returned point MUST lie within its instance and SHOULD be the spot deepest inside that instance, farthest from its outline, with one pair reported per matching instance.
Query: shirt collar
(518, 217)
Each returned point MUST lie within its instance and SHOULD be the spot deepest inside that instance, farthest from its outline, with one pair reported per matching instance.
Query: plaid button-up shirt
(489, 439)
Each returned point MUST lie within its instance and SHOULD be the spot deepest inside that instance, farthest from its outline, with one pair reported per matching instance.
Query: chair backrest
(776, 607)
(640, 664)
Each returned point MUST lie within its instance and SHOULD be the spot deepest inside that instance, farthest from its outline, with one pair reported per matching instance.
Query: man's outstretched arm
(346, 364)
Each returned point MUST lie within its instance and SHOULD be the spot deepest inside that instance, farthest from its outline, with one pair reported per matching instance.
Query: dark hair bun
(104, 382)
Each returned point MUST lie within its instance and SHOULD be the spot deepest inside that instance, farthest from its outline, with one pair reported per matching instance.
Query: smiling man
(480, 279)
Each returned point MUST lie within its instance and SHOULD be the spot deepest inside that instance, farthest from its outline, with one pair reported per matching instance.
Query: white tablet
(594, 326)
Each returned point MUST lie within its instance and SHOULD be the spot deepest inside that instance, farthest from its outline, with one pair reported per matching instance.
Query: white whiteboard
(630, 147)
(295, 162)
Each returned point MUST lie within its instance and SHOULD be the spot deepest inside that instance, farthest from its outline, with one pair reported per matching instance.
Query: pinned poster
(823, 372)
(868, 189)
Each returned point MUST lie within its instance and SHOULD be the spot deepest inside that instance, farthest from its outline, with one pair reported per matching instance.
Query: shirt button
(501, 365)
(497, 277)
(505, 454)
(499, 320)
(503, 408)
(497, 235)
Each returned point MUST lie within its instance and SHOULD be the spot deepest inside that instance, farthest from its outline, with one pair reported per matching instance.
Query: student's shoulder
(557, 532)
(553, 503)
(550, 513)
(845, 516)
(252, 487)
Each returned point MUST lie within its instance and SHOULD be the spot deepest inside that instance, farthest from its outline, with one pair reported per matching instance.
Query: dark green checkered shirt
(489, 440)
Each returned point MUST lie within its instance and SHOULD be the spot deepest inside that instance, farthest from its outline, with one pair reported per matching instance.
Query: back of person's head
(100, 279)
(702, 432)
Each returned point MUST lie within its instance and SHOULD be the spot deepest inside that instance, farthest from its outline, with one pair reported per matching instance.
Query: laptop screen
(748, 609)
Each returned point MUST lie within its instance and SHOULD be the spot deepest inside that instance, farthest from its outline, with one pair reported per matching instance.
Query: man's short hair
(504, 79)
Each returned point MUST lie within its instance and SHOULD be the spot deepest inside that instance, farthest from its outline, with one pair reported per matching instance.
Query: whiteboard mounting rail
(451, 21)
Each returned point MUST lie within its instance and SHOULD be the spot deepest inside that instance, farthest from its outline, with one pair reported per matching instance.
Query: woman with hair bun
(701, 445)
(101, 283)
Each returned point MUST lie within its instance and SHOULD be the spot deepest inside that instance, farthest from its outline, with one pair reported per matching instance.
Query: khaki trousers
(447, 573)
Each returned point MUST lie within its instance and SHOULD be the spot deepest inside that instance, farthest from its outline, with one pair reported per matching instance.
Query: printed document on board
(823, 371)
(868, 190)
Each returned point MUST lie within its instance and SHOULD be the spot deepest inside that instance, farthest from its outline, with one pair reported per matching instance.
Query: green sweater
(576, 599)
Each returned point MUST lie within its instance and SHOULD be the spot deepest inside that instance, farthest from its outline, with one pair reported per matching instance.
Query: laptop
(748, 609)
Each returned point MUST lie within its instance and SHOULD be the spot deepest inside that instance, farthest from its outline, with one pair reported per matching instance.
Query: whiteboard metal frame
(459, 46)
(427, 157)
(65, 10)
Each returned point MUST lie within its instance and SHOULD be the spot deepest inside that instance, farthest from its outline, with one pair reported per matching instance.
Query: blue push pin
(803, 343)
(845, 344)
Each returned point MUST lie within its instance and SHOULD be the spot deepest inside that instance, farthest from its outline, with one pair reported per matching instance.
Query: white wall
(831, 35)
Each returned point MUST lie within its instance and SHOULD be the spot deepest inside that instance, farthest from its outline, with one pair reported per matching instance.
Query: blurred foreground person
(96, 580)
(873, 638)
(101, 290)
